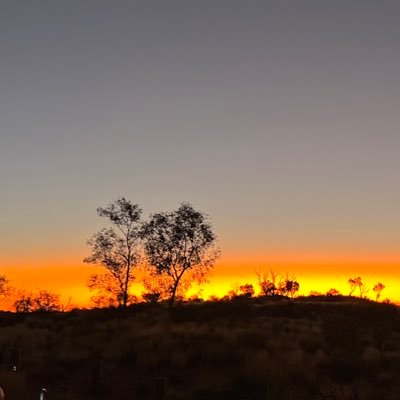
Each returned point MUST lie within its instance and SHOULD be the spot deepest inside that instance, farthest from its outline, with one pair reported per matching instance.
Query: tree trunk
(125, 300)
(173, 295)
(172, 299)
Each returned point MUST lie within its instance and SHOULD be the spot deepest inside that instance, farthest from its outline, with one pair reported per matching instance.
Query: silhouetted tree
(24, 302)
(273, 284)
(246, 290)
(357, 283)
(268, 282)
(239, 291)
(288, 286)
(315, 293)
(44, 301)
(333, 292)
(151, 297)
(108, 291)
(158, 285)
(231, 295)
(116, 249)
(178, 243)
(378, 288)
(353, 284)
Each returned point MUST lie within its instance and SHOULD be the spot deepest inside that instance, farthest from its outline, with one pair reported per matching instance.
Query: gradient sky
(280, 119)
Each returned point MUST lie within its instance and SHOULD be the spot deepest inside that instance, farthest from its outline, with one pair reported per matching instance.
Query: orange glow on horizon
(314, 271)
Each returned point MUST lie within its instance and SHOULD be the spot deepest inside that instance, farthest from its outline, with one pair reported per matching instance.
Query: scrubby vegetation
(320, 347)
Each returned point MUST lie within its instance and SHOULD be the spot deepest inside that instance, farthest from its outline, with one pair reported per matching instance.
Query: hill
(303, 349)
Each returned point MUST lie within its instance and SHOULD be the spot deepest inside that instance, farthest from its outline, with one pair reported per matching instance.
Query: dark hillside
(309, 348)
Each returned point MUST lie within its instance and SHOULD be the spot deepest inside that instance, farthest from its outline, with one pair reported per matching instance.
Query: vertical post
(355, 392)
(14, 358)
(160, 388)
(43, 394)
(101, 369)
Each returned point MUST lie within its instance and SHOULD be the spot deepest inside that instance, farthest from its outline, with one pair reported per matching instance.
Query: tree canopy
(117, 249)
(178, 243)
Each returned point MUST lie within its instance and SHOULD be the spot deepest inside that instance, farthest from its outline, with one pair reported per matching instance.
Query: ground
(307, 348)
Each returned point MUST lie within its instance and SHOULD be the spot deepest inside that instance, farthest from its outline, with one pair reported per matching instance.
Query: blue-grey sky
(278, 118)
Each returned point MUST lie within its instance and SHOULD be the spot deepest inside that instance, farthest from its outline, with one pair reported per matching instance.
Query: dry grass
(248, 349)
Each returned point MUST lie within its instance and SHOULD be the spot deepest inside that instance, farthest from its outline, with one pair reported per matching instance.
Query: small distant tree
(268, 282)
(43, 300)
(357, 284)
(231, 294)
(273, 284)
(24, 302)
(196, 298)
(353, 282)
(46, 301)
(117, 249)
(246, 290)
(332, 292)
(178, 244)
(151, 297)
(288, 286)
(378, 288)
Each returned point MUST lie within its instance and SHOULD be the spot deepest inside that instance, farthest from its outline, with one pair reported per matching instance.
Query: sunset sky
(280, 119)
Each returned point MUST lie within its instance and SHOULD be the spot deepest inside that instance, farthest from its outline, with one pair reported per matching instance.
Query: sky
(277, 118)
